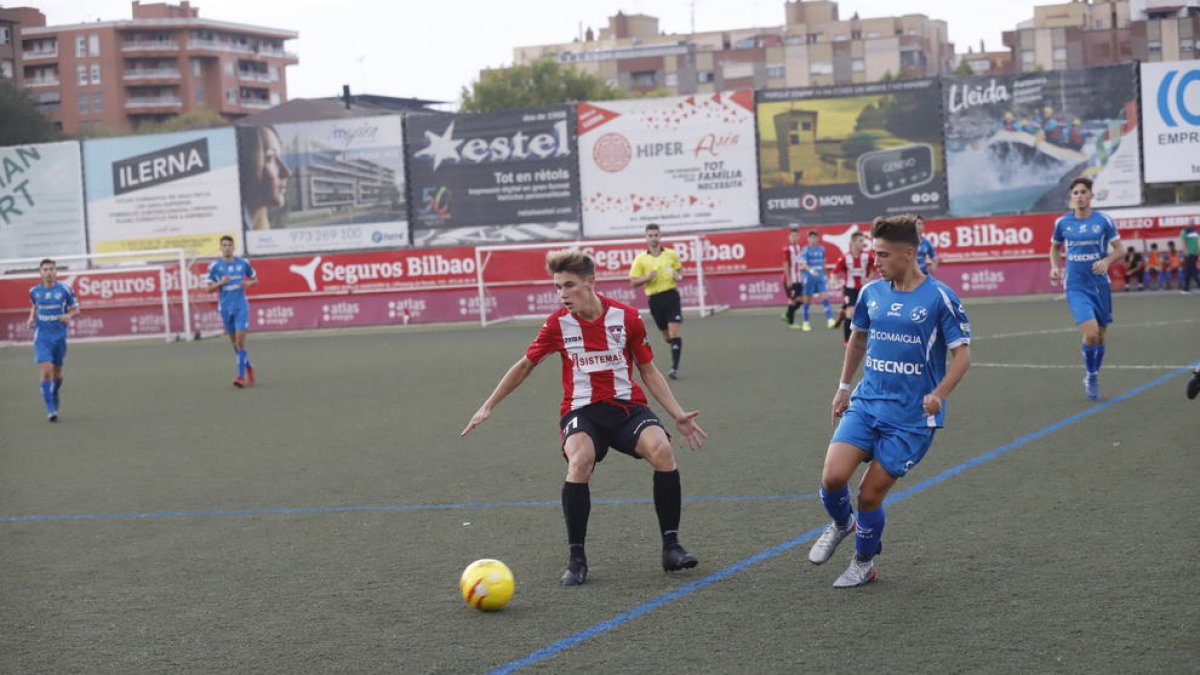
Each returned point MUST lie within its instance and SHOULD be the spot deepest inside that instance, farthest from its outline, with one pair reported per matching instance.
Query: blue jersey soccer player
(926, 253)
(814, 280)
(54, 306)
(1087, 236)
(903, 325)
(233, 276)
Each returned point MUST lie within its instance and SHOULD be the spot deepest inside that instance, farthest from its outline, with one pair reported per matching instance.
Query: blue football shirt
(925, 253)
(814, 257)
(51, 303)
(908, 335)
(232, 294)
(1086, 240)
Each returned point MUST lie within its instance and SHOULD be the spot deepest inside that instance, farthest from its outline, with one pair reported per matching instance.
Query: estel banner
(850, 153)
(1171, 121)
(493, 177)
(175, 190)
(331, 185)
(41, 201)
(686, 163)
(1014, 143)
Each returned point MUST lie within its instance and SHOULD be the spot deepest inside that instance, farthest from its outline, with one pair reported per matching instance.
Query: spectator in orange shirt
(1154, 267)
(1174, 264)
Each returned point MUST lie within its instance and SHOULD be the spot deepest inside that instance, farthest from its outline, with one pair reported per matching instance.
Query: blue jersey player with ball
(54, 306)
(1092, 244)
(231, 276)
(904, 324)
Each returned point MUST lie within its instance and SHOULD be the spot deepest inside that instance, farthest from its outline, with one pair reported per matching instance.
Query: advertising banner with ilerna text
(1014, 143)
(41, 201)
(493, 177)
(323, 186)
(850, 153)
(686, 163)
(175, 190)
(1171, 124)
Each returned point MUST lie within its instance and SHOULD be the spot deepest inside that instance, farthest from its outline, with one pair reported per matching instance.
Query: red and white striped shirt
(856, 268)
(597, 356)
(793, 258)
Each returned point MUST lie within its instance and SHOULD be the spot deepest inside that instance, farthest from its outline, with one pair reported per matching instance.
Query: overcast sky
(433, 48)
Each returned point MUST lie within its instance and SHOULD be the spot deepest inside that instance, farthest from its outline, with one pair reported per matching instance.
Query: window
(94, 45)
(5, 35)
(197, 68)
(1027, 58)
(229, 67)
(80, 46)
(1060, 53)
(671, 80)
(814, 38)
(200, 95)
(6, 68)
(273, 72)
(856, 35)
(81, 73)
(1154, 46)
(704, 76)
(83, 99)
(97, 102)
(1186, 45)
(95, 73)
(274, 98)
(231, 95)
(858, 66)
(820, 68)
(775, 72)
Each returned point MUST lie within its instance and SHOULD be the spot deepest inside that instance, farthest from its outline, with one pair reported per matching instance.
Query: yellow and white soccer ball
(487, 584)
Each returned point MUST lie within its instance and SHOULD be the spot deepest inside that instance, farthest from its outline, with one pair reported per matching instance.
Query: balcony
(39, 54)
(197, 44)
(254, 103)
(145, 102)
(42, 82)
(253, 76)
(142, 74)
(150, 46)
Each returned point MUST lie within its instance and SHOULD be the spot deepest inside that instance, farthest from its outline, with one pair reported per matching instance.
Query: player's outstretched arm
(856, 349)
(511, 380)
(960, 361)
(684, 421)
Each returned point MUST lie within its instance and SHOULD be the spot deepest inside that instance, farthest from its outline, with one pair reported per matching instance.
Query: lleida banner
(493, 177)
(41, 201)
(1014, 143)
(686, 163)
(175, 190)
(323, 186)
(1171, 124)
(850, 153)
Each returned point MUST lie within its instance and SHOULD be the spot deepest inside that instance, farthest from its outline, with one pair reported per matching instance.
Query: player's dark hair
(572, 261)
(897, 229)
(227, 238)
(1085, 182)
(47, 260)
(653, 227)
(813, 233)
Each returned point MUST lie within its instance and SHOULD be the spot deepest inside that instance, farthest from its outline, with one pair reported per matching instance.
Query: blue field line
(379, 507)
(556, 648)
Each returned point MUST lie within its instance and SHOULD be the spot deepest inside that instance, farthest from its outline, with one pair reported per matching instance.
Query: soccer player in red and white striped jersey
(793, 275)
(601, 342)
(856, 267)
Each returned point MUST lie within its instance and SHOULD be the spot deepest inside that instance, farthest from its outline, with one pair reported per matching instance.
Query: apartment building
(163, 62)
(1084, 33)
(813, 47)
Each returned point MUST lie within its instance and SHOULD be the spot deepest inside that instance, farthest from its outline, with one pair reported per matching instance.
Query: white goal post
(113, 289)
(613, 257)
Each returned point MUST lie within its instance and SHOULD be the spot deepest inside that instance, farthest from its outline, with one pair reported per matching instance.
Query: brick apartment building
(163, 62)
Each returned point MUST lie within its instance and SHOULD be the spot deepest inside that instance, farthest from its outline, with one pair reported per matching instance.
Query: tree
(20, 120)
(544, 82)
(964, 68)
(200, 118)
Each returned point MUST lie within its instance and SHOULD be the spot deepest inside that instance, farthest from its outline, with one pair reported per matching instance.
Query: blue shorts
(814, 285)
(52, 350)
(896, 448)
(1087, 304)
(236, 318)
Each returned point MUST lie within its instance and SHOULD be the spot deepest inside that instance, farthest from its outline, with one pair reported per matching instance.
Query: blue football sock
(869, 534)
(242, 360)
(48, 394)
(828, 309)
(837, 504)
(1099, 357)
(1089, 358)
(804, 311)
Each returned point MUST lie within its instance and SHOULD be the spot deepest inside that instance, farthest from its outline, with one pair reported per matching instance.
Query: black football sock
(791, 313)
(668, 499)
(676, 351)
(577, 506)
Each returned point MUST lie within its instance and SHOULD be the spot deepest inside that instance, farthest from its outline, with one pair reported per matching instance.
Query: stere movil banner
(1171, 121)
(493, 177)
(41, 201)
(850, 153)
(686, 163)
(1014, 143)
(329, 185)
(162, 191)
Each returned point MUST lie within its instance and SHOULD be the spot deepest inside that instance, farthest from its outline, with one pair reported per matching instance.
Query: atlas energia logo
(446, 147)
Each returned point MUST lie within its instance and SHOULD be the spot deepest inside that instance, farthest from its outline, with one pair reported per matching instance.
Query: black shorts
(797, 291)
(666, 307)
(851, 297)
(610, 424)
